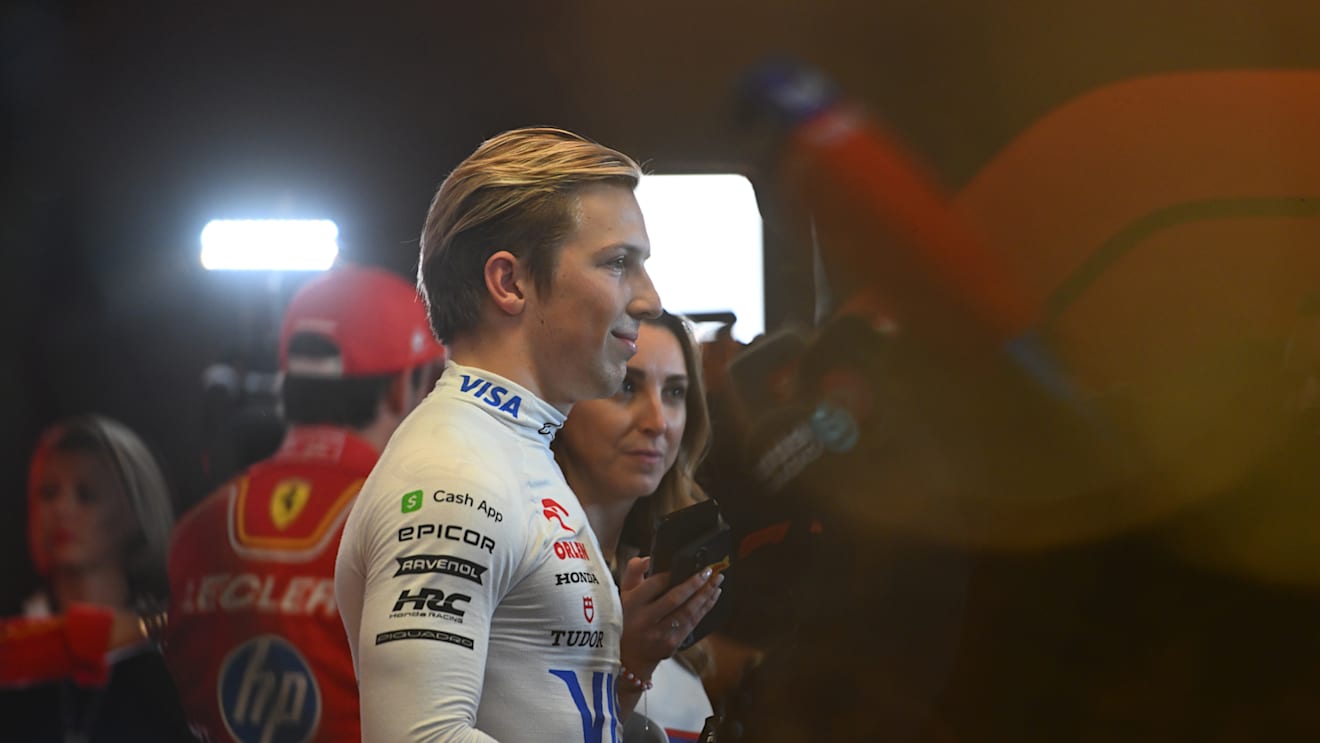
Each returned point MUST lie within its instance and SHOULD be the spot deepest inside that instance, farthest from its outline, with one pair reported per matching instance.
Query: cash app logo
(412, 501)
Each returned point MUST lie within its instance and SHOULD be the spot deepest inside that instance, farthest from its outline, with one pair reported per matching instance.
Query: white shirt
(476, 600)
(677, 702)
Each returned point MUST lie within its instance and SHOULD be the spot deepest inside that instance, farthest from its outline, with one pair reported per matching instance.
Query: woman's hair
(144, 488)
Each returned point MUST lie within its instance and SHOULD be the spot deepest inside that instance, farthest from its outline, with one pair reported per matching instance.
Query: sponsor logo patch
(441, 564)
(577, 638)
(411, 501)
(268, 693)
(493, 395)
(431, 602)
(555, 512)
(566, 550)
(424, 634)
(465, 499)
(580, 576)
(452, 532)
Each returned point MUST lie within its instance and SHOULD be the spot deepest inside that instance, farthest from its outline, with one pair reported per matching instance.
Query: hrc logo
(268, 693)
(288, 499)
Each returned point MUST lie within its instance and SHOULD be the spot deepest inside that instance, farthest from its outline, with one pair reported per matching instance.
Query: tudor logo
(588, 608)
(577, 638)
(555, 512)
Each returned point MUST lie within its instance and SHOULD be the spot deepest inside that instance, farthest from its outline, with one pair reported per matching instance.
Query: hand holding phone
(688, 541)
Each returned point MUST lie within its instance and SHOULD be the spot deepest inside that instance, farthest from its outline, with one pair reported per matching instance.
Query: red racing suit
(255, 639)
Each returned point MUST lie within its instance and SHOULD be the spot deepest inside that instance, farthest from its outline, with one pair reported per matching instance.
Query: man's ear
(505, 277)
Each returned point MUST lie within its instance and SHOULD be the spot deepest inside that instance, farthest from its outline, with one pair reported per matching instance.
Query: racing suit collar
(509, 402)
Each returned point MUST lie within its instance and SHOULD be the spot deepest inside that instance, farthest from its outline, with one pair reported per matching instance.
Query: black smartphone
(679, 530)
(688, 541)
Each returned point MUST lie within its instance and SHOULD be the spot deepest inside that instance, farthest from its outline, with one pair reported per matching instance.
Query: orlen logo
(268, 693)
(555, 512)
(566, 550)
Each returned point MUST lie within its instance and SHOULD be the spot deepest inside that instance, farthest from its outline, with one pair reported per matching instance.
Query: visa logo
(490, 394)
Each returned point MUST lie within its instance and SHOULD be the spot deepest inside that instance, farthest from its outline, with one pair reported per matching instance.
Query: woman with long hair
(630, 459)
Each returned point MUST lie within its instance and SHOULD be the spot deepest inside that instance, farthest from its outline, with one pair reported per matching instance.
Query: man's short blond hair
(516, 192)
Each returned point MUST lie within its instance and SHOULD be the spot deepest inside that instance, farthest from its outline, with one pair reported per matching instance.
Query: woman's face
(621, 446)
(79, 517)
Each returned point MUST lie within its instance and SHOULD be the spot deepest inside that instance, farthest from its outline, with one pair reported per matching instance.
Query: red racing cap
(372, 316)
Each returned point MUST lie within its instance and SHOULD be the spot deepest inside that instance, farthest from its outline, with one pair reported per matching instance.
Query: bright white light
(269, 244)
(706, 246)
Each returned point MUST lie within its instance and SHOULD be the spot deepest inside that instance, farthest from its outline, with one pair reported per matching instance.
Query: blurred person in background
(630, 459)
(254, 636)
(99, 517)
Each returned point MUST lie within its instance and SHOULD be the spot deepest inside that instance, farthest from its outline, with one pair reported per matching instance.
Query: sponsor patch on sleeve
(434, 635)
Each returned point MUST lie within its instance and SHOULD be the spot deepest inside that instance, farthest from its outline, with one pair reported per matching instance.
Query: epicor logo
(411, 501)
(453, 532)
(268, 693)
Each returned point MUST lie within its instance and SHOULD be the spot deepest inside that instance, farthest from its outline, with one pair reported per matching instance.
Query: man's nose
(645, 300)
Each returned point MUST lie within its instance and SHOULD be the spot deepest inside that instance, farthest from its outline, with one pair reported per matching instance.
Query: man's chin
(609, 383)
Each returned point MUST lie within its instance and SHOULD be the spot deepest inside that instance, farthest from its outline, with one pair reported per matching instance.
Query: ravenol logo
(268, 693)
(412, 501)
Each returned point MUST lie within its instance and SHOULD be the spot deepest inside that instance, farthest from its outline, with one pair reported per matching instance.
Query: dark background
(128, 125)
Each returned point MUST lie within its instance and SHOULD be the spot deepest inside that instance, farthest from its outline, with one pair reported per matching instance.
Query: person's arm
(72, 645)
(434, 572)
(656, 621)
